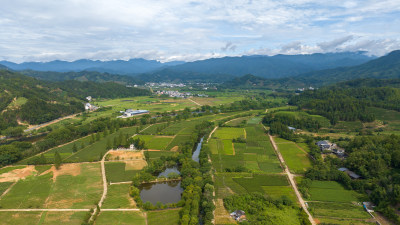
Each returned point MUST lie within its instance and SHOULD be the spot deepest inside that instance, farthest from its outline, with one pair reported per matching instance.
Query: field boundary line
(122, 182)
(8, 189)
(194, 102)
(209, 136)
(291, 180)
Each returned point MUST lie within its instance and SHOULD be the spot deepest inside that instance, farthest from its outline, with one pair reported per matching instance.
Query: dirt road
(292, 182)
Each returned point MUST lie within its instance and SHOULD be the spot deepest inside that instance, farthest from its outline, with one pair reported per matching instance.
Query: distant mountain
(81, 76)
(277, 66)
(2, 67)
(385, 67)
(132, 66)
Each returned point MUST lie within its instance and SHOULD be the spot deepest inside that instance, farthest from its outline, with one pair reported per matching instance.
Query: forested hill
(339, 103)
(277, 66)
(81, 76)
(385, 67)
(33, 101)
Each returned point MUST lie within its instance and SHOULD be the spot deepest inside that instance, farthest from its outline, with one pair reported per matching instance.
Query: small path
(123, 182)
(44, 210)
(194, 102)
(105, 188)
(292, 182)
(8, 189)
(209, 136)
(120, 210)
(50, 122)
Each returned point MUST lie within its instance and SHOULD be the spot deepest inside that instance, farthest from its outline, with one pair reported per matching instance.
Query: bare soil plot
(17, 174)
(125, 155)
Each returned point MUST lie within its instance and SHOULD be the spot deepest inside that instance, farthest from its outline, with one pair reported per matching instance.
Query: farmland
(295, 157)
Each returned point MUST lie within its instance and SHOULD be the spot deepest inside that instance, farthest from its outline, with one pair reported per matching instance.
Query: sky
(169, 30)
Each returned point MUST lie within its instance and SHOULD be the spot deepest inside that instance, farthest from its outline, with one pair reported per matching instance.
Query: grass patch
(278, 191)
(331, 191)
(128, 217)
(115, 172)
(295, 158)
(255, 183)
(29, 193)
(82, 191)
(163, 217)
(118, 197)
(179, 140)
(341, 210)
(228, 147)
(4, 186)
(229, 133)
(26, 218)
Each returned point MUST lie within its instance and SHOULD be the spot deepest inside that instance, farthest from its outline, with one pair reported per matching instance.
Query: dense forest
(347, 104)
(26, 99)
(81, 76)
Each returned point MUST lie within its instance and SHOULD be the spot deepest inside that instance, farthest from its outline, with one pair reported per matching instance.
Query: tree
(57, 160)
(74, 148)
(82, 144)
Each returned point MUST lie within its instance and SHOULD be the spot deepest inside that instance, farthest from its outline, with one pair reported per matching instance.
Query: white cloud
(174, 29)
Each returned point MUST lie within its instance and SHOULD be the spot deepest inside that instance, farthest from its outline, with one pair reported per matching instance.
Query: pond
(165, 192)
(168, 171)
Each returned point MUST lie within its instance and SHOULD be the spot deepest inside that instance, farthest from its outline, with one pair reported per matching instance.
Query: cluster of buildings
(88, 106)
(175, 94)
(171, 85)
(327, 146)
(238, 215)
(130, 112)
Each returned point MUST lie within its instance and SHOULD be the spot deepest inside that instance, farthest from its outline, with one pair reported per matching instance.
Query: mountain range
(385, 67)
(225, 68)
(132, 66)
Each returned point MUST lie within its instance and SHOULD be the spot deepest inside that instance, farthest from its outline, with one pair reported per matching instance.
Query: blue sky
(166, 30)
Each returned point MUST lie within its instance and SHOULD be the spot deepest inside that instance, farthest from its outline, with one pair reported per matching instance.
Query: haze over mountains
(264, 66)
(271, 71)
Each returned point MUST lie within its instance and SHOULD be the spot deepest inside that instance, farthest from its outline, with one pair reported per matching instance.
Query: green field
(256, 155)
(228, 147)
(118, 197)
(121, 218)
(155, 142)
(4, 186)
(38, 187)
(115, 172)
(340, 210)
(295, 158)
(331, 191)
(229, 132)
(278, 191)
(82, 190)
(163, 217)
(256, 183)
(77, 192)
